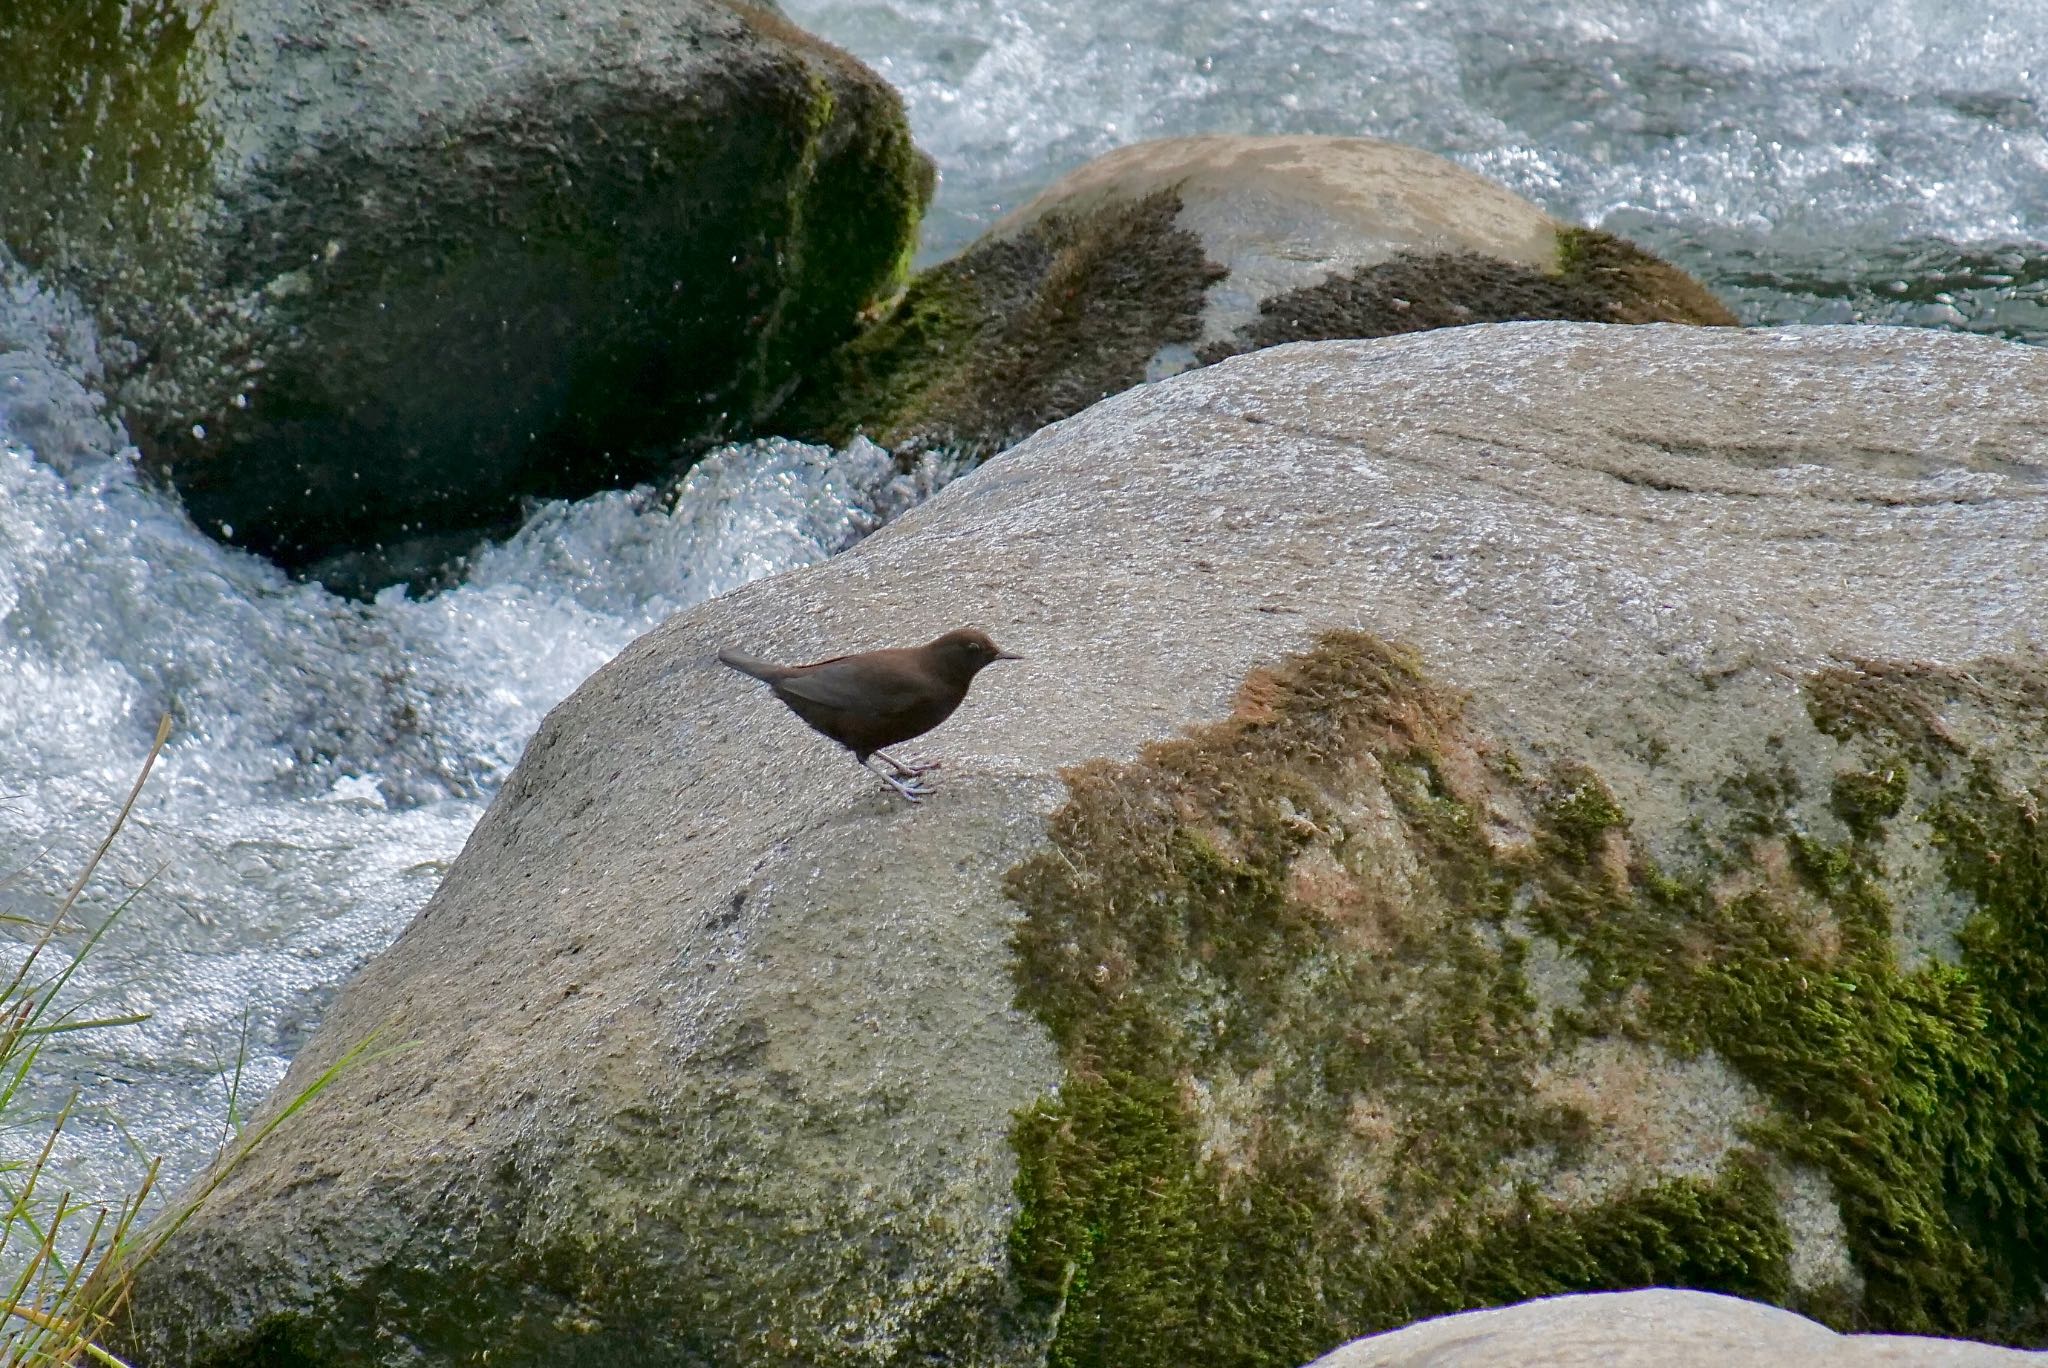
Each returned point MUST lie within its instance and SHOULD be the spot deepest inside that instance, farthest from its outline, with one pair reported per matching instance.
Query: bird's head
(962, 653)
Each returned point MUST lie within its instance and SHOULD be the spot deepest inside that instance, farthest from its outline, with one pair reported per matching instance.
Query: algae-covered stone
(1171, 254)
(372, 269)
(1408, 875)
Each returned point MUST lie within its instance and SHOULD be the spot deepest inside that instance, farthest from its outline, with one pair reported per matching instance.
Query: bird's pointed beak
(1008, 655)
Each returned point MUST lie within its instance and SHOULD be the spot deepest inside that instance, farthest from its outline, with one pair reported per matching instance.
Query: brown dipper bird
(880, 698)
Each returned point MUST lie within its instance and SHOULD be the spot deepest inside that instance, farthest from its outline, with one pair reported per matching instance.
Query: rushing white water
(329, 757)
(1821, 162)
(1882, 160)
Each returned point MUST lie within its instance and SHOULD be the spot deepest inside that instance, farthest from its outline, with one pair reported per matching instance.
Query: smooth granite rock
(1505, 811)
(1654, 1328)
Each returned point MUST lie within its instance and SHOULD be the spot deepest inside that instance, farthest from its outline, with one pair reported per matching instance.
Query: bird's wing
(850, 682)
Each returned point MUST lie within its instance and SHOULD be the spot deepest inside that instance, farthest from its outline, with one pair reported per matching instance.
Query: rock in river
(1171, 254)
(1490, 813)
(375, 270)
(1659, 1328)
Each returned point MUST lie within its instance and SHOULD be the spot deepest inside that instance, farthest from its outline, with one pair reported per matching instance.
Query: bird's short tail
(747, 665)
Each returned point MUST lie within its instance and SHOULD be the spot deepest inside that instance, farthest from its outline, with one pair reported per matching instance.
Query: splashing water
(329, 758)
(1834, 162)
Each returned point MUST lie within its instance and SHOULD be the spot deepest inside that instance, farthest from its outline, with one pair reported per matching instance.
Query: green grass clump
(66, 1288)
(73, 1258)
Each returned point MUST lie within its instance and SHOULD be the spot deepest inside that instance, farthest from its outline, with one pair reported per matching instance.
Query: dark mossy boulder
(1510, 810)
(1172, 254)
(377, 269)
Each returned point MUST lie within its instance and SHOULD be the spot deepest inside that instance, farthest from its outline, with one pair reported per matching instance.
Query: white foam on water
(1694, 126)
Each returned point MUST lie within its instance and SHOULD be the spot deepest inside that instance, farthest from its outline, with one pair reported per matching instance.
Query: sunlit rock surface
(1505, 811)
(1657, 1328)
(371, 271)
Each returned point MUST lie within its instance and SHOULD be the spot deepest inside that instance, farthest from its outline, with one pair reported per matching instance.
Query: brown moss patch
(1919, 704)
(1600, 279)
(1015, 333)
(1310, 1093)
(1019, 332)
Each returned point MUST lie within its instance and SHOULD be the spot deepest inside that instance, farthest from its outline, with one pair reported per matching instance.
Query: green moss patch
(101, 116)
(1021, 331)
(1311, 1094)
(1015, 333)
(1599, 278)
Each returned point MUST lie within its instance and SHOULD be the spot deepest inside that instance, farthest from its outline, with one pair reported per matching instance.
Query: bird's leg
(909, 771)
(910, 788)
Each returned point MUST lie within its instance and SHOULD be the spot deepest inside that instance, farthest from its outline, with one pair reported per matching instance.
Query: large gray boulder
(1505, 811)
(1165, 255)
(371, 270)
(1655, 1328)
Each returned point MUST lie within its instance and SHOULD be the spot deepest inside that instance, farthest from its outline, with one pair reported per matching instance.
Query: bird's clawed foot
(907, 771)
(911, 787)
